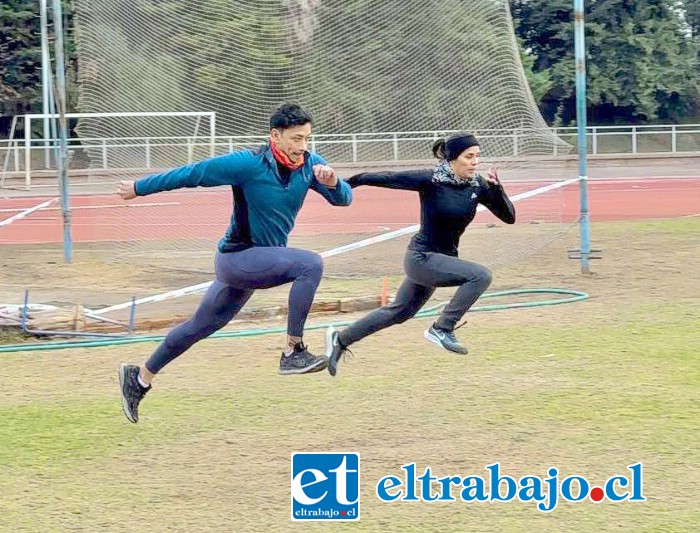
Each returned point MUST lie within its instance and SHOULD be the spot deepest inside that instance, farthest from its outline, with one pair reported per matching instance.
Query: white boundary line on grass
(193, 289)
(26, 212)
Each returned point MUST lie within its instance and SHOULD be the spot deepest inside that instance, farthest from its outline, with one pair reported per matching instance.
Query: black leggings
(425, 271)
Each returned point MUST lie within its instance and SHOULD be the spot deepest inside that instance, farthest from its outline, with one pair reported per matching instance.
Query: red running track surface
(204, 213)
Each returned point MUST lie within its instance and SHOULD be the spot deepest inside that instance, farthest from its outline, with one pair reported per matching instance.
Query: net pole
(27, 152)
(580, 55)
(62, 160)
(45, 79)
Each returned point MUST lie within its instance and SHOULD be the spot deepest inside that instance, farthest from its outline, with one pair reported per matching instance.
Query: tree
(691, 9)
(20, 59)
(540, 81)
(641, 63)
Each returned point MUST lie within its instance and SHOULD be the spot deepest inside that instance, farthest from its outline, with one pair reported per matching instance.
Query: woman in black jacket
(449, 195)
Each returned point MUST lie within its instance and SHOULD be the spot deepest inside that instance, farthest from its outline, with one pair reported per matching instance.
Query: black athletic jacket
(446, 208)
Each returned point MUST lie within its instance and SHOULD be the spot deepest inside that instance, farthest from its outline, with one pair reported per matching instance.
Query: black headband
(458, 143)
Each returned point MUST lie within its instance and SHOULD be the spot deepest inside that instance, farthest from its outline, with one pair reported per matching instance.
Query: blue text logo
(497, 487)
(325, 486)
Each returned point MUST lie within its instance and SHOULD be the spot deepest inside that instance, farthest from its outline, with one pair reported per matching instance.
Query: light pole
(62, 158)
(581, 123)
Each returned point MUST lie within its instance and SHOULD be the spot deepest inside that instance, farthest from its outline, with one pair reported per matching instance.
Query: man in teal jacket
(269, 186)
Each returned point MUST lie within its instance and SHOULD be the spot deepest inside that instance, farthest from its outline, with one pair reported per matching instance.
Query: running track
(204, 213)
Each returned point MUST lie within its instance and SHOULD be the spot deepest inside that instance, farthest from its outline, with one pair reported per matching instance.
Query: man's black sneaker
(132, 391)
(334, 350)
(445, 339)
(301, 361)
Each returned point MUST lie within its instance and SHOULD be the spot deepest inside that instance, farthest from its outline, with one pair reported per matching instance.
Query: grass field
(589, 388)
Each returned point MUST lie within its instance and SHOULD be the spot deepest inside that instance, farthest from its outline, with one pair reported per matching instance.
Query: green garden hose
(574, 296)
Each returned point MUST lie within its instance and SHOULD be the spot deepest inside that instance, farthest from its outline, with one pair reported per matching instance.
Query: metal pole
(62, 160)
(27, 151)
(212, 135)
(674, 139)
(595, 140)
(45, 80)
(580, 55)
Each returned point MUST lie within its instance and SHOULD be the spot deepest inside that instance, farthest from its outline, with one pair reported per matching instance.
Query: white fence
(158, 152)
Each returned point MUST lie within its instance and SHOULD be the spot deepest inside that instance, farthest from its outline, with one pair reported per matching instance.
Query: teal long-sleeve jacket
(265, 202)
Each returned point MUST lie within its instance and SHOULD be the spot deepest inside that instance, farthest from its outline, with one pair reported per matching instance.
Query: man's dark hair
(289, 115)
